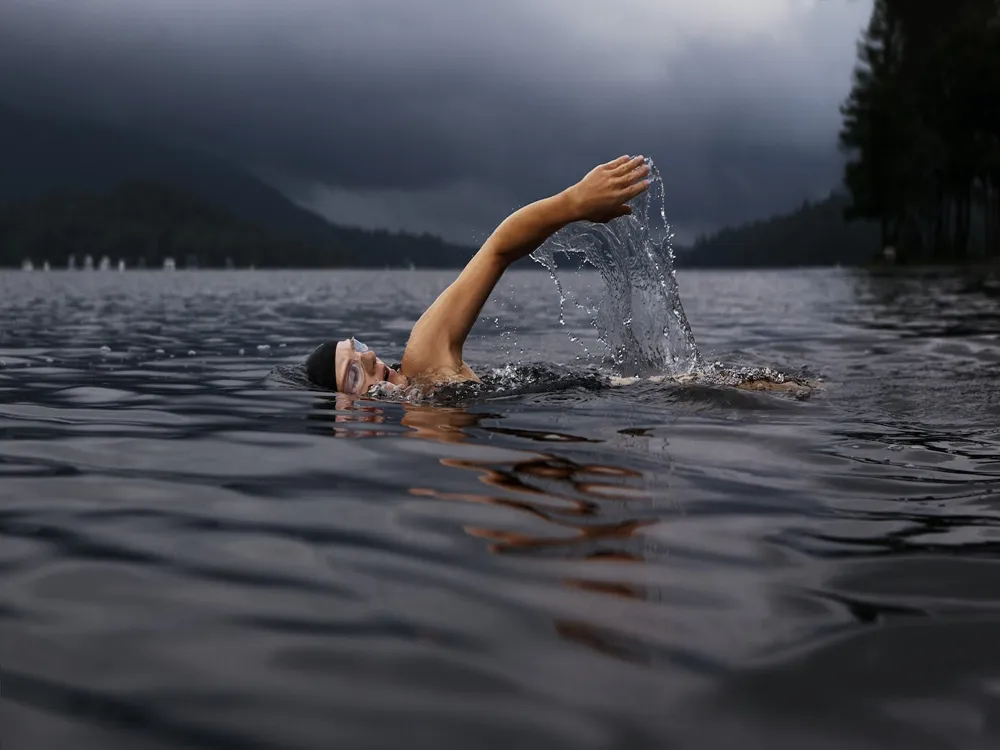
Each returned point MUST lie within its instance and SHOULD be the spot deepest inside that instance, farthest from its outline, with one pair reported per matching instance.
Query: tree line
(814, 234)
(144, 222)
(921, 128)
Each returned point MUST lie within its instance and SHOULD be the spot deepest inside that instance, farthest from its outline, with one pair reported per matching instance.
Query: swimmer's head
(350, 367)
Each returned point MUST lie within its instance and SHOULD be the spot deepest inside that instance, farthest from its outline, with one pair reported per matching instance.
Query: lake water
(196, 553)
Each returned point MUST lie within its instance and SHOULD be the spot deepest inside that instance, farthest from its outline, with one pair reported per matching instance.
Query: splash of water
(500, 382)
(639, 318)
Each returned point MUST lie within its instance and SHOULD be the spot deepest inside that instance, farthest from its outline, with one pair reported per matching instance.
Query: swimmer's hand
(604, 193)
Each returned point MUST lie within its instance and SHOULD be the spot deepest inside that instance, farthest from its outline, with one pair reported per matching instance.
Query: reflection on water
(583, 508)
(963, 305)
(584, 515)
(196, 551)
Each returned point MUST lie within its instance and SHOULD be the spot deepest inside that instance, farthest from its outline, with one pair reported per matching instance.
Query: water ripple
(199, 550)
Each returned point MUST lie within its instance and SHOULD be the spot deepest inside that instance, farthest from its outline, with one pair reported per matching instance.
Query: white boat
(46, 266)
(70, 262)
(105, 263)
(27, 265)
(169, 264)
(121, 266)
(88, 263)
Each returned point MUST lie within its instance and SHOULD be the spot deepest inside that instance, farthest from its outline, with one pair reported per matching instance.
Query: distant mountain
(144, 224)
(815, 234)
(43, 156)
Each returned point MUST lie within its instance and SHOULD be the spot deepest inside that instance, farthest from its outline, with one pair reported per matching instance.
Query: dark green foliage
(922, 127)
(816, 234)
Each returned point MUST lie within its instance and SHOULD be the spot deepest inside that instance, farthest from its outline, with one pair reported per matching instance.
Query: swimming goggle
(354, 375)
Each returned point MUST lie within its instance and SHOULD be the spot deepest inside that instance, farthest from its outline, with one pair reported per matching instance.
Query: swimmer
(433, 353)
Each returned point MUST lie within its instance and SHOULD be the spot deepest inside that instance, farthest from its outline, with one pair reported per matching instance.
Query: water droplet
(242, 352)
(49, 360)
(264, 348)
(895, 447)
(160, 351)
(282, 346)
(191, 352)
(105, 350)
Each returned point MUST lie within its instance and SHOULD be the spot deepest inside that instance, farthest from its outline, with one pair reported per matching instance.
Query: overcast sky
(443, 115)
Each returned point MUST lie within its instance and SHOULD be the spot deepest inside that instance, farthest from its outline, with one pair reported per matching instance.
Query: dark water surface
(194, 553)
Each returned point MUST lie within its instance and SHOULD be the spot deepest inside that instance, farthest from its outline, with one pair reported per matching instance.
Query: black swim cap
(321, 365)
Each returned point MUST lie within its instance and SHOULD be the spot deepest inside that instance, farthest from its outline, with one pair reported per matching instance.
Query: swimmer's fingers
(635, 189)
(631, 178)
(623, 168)
(616, 163)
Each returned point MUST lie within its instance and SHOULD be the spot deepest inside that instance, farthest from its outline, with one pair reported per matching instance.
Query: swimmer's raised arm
(435, 346)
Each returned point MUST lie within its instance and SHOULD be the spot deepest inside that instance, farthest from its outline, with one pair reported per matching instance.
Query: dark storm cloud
(443, 115)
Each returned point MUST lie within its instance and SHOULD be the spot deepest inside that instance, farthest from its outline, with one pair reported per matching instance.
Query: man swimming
(433, 353)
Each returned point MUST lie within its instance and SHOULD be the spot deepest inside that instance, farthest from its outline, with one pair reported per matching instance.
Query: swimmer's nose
(368, 362)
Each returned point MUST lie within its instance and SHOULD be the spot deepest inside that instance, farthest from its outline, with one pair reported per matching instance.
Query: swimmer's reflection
(587, 511)
(355, 417)
(573, 499)
(562, 493)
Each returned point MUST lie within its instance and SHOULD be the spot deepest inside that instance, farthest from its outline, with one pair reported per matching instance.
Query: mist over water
(637, 312)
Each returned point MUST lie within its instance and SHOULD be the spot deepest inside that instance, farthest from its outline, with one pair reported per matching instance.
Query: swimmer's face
(358, 369)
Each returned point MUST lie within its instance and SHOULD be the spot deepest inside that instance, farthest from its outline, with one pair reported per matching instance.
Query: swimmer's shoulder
(425, 365)
(431, 379)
